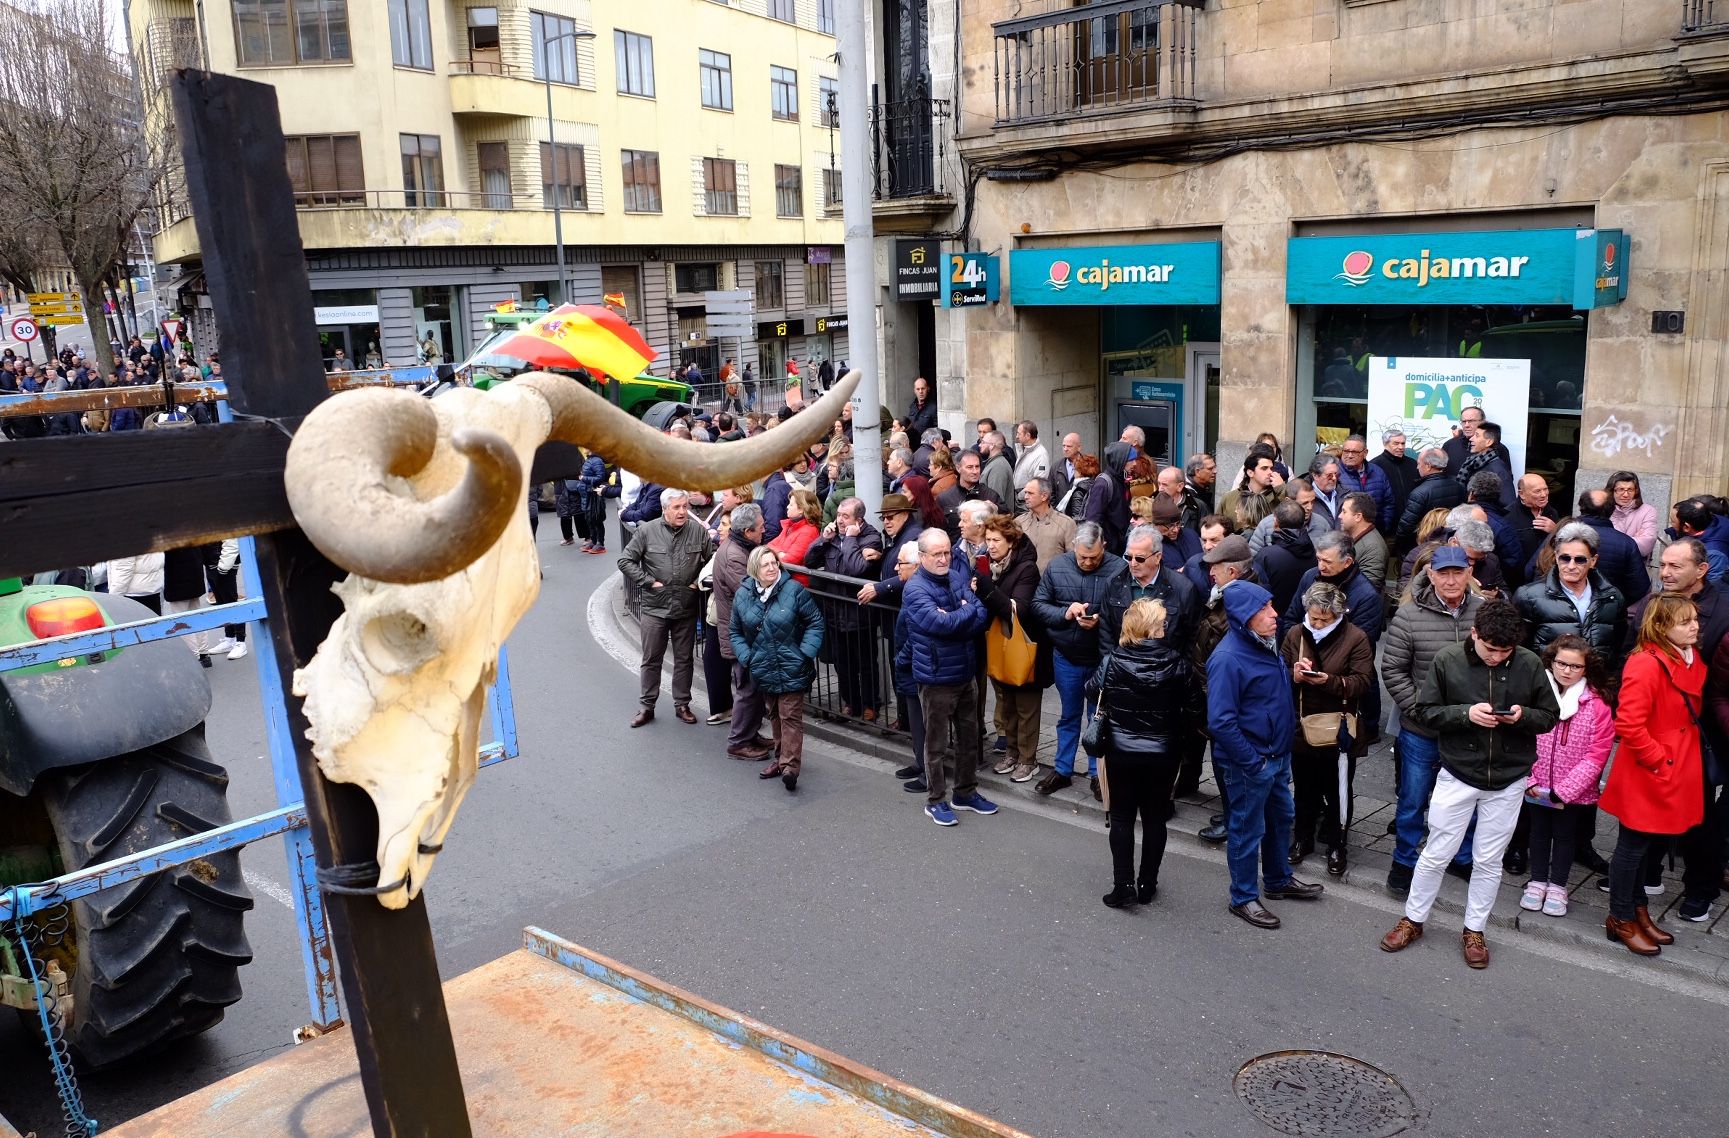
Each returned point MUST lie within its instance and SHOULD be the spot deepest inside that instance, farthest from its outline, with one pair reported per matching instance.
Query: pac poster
(1423, 398)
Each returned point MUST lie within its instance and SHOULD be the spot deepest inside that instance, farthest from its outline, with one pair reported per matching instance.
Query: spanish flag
(584, 336)
(615, 300)
(507, 306)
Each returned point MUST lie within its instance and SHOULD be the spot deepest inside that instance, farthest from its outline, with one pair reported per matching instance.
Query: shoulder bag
(1010, 654)
(1322, 728)
(1097, 735)
(1714, 773)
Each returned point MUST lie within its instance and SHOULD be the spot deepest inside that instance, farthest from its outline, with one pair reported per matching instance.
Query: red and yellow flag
(582, 336)
(615, 300)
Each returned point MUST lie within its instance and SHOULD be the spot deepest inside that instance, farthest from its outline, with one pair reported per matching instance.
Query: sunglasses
(1571, 559)
(1137, 558)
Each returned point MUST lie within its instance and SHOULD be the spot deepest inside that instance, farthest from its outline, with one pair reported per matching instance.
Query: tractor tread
(124, 812)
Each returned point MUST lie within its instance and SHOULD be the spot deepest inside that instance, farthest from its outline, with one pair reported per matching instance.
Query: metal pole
(552, 156)
(150, 270)
(861, 287)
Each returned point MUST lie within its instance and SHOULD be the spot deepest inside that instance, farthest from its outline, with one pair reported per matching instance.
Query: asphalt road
(974, 962)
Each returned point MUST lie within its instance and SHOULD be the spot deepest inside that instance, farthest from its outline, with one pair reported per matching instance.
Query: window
(828, 101)
(324, 169)
(554, 43)
(281, 33)
(635, 57)
(783, 93)
(422, 170)
(770, 285)
(563, 176)
(410, 34)
(818, 286)
(485, 57)
(495, 174)
(695, 278)
(825, 16)
(781, 10)
(788, 191)
(641, 181)
(719, 187)
(831, 189)
(716, 68)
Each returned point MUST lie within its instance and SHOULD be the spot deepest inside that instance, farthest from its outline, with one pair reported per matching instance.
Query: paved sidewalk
(1700, 950)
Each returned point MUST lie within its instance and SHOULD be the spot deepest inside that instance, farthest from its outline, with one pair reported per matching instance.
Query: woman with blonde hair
(1141, 687)
(943, 474)
(1657, 783)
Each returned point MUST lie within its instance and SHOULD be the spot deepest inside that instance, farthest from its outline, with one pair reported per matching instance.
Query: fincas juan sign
(1176, 273)
(1584, 268)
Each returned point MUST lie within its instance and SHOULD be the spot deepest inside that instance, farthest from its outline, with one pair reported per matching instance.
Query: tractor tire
(157, 958)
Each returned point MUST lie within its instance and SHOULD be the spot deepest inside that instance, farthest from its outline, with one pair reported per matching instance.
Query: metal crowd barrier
(856, 669)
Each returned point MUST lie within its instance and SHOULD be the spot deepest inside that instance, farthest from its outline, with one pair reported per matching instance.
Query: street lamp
(552, 147)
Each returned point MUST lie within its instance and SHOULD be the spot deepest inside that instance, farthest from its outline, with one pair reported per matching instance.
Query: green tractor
(636, 395)
(102, 755)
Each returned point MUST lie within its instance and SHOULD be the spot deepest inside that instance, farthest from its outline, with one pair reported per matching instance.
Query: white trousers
(199, 642)
(1450, 810)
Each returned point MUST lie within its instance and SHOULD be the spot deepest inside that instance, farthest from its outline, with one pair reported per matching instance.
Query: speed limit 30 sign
(22, 328)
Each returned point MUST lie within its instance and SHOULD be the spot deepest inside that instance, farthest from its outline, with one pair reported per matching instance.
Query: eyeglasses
(1569, 667)
(1137, 558)
(1572, 559)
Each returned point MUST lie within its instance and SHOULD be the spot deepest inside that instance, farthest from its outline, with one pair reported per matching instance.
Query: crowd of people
(71, 370)
(1255, 623)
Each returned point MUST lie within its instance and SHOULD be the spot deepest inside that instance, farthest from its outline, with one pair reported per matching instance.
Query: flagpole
(861, 287)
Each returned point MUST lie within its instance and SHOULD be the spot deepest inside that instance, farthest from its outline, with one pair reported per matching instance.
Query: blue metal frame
(288, 819)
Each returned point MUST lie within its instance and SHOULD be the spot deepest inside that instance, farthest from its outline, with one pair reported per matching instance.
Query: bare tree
(72, 143)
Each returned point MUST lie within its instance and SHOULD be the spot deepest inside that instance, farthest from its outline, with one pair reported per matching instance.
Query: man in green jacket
(1487, 700)
(662, 561)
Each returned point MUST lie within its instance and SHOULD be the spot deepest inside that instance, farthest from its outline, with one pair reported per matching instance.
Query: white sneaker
(226, 644)
(1555, 904)
(238, 652)
(1535, 894)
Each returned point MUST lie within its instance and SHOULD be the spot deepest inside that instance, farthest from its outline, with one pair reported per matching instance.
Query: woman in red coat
(1657, 784)
(799, 532)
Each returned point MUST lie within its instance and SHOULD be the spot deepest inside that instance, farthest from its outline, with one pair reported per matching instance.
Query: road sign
(63, 321)
(972, 280)
(22, 328)
(49, 297)
(57, 309)
(172, 327)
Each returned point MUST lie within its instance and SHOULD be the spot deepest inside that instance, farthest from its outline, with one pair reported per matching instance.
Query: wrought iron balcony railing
(909, 138)
(1111, 56)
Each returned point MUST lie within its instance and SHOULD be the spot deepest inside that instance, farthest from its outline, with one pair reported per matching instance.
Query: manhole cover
(1324, 1095)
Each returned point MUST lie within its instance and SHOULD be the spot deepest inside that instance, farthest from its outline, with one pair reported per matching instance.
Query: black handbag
(1097, 734)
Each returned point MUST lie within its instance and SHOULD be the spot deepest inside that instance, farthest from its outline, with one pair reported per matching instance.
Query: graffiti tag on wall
(1612, 437)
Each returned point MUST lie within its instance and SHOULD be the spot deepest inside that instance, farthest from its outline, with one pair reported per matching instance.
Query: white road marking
(267, 887)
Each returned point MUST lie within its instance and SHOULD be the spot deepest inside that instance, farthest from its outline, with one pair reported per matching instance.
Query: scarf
(1266, 642)
(1320, 634)
(763, 592)
(1474, 463)
(1568, 698)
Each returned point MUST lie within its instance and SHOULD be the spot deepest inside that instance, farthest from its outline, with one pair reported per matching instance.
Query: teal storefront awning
(1584, 268)
(1178, 273)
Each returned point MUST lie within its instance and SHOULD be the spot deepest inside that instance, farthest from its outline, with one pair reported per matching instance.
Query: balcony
(488, 87)
(909, 145)
(1101, 59)
(1704, 17)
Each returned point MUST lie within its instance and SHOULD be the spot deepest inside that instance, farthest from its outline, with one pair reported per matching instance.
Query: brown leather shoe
(1630, 934)
(766, 742)
(749, 753)
(1475, 948)
(684, 714)
(646, 715)
(773, 770)
(1403, 935)
(1654, 932)
(1256, 914)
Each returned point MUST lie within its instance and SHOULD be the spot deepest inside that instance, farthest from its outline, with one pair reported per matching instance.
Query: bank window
(716, 71)
(1339, 340)
(783, 93)
(818, 289)
(782, 10)
(325, 169)
(553, 40)
(634, 56)
(719, 187)
(563, 176)
(410, 34)
(641, 181)
(698, 277)
(485, 57)
(422, 170)
(281, 33)
(770, 285)
(788, 191)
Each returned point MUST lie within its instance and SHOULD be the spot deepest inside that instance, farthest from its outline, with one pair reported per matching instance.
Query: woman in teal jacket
(776, 634)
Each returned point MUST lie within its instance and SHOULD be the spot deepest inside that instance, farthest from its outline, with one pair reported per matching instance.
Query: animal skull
(422, 502)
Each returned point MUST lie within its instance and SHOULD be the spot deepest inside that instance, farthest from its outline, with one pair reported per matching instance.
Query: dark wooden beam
(242, 203)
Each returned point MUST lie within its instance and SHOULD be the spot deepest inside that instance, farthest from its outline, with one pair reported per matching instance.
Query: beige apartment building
(1213, 216)
(691, 149)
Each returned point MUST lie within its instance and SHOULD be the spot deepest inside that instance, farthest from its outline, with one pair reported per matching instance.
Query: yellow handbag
(1010, 654)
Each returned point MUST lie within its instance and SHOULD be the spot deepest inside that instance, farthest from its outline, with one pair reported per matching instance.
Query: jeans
(1629, 868)
(1258, 823)
(1072, 688)
(1450, 811)
(1419, 763)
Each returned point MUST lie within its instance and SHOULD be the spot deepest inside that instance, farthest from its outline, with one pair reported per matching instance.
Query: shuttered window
(720, 187)
(325, 169)
(563, 176)
(495, 173)
(641, 181)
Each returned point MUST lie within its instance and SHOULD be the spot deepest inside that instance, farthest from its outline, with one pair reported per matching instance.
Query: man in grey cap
(1226, 562)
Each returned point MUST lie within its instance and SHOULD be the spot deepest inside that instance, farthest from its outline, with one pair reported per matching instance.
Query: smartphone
(1502, 712)
(1312, 672)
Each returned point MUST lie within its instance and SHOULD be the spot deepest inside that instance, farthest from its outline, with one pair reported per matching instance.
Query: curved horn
(582, 417)
(337, 476)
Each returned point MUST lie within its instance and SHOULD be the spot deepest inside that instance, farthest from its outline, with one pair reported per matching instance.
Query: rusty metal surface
(562, 1041)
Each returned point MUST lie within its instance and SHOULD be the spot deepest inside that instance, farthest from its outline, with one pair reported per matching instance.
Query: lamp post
(552, 147)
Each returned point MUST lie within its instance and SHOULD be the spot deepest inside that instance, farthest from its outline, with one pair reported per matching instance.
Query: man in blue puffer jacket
(944, 618)
(1253, 722)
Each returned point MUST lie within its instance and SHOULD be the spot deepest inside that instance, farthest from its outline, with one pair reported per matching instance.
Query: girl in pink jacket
(1569, 765)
